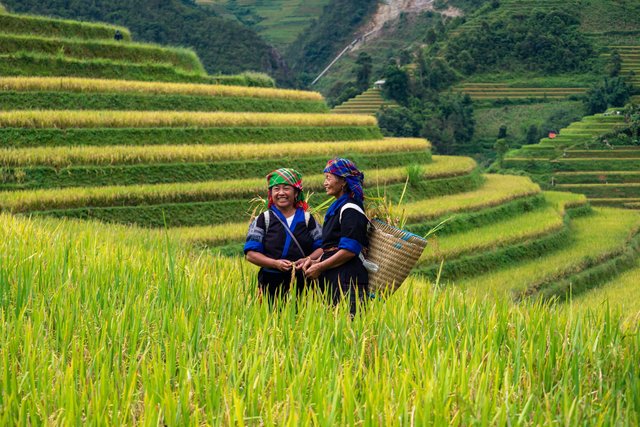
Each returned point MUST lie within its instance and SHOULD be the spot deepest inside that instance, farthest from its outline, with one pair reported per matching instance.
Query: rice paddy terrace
(577, 161)
(38, 46)
(368, 102)
(190, 156)
(161, 170)
(610, 26)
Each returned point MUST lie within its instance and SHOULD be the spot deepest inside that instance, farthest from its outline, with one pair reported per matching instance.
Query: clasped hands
(309, 266)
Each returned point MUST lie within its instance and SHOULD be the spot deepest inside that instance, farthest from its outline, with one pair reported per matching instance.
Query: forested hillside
(280, 22)
(333, 30)
(222, 45)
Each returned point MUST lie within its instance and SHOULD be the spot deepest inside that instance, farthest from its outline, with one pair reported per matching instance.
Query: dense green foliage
(278, 21)
(223, 46)
(543, 41)
(629, 132)
(611, 92)
(445, 120)
(333, 31)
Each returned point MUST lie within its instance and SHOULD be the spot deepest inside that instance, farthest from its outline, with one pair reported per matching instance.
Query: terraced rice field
(575, 161)
(621, 293)
(567, 270)
(368, 102)
(137, 324)
(630, 55)
(495, 91)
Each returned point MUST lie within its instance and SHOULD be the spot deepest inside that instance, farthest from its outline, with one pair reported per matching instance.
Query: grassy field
(193, 345)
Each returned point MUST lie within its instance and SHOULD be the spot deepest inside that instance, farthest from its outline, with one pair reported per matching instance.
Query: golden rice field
(593, 237)
(74, 84)
(122, 154)
(65, 119)
(24, 201)
(498, 189)
(520, 228)
(113, 325)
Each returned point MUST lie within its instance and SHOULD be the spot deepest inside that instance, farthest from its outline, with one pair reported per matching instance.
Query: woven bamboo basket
(395, 251)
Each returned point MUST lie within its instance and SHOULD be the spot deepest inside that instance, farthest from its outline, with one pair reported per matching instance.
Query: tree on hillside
(548, 42)
(364, 66)
(614, 92)
(329, 34)
(396, 84)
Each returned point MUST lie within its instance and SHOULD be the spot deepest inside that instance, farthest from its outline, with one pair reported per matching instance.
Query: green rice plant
(84, 86)
(115, 155)
(62, 28)
(498, 189)
(621, 294)
(625, 190)
(157, 173)
(115, 325)
(138, 101)
(24, 137)
(530, 226)
(38, 64)
(25, 201)
(136, 119)
(595, 238)
(181, 58)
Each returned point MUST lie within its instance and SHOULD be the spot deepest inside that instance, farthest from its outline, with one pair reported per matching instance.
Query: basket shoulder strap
(267, 218)
(307, 215)
(351, 206)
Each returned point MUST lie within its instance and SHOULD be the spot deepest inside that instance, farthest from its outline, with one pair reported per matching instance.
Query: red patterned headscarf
(290, 177)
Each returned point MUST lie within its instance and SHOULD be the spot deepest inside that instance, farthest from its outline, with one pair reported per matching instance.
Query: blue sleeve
(353, 231)
(255, 236)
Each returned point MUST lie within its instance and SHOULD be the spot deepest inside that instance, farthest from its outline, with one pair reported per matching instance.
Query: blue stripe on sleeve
(252, 245)
(317, 244)
(350, 245)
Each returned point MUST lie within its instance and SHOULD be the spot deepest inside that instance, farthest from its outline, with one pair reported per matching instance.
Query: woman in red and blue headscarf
(344, 236)
(284, 236)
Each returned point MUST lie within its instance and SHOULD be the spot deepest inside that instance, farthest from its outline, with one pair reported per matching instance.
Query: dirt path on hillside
(390, 10)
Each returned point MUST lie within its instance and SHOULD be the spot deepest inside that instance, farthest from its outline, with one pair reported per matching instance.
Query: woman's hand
(302, 262)
(282, 265)
(313, 270)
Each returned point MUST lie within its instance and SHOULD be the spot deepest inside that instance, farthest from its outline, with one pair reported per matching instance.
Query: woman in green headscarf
(282, 238)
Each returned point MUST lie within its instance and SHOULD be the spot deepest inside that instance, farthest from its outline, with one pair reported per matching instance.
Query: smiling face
(334, 185)
(284, 196)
